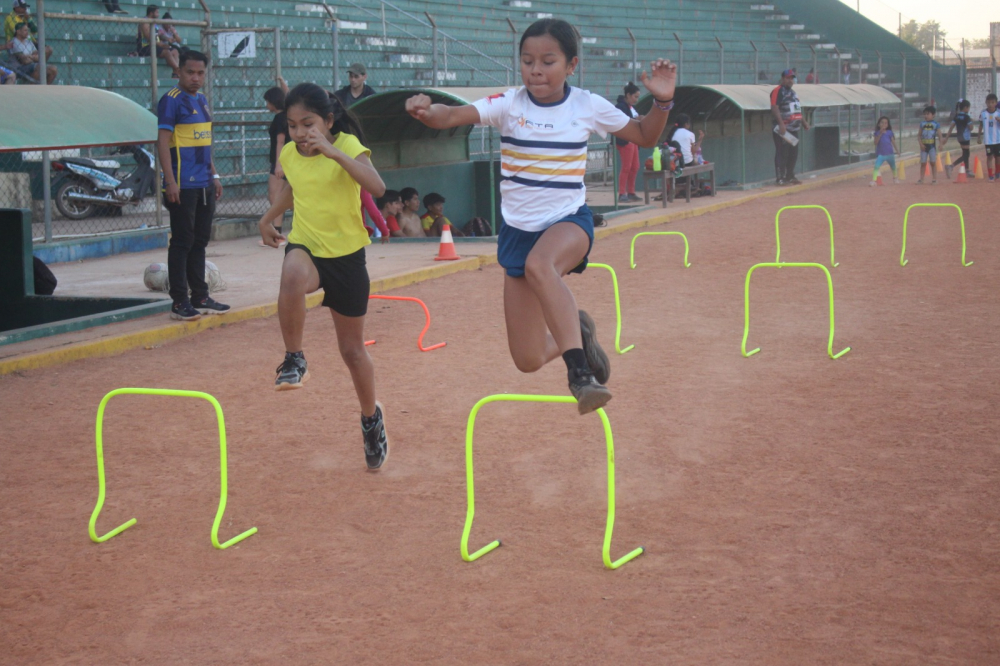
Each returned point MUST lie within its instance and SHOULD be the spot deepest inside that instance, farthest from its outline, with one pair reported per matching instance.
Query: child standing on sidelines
(930, 129)
(885, 148)
(962, 124)
(326, 167)
(989, 127)
(544, 127)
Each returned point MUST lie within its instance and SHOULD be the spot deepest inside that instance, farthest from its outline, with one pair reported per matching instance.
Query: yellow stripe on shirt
(543, 158)
(191, 135)
(543, 172)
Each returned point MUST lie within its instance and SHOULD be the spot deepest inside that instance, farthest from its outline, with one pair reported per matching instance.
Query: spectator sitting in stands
(433, 220)
(20, 14)
(408, 219)
(390, 205)
(168, 35)
(7, 76)
(113, 7)
(149, 32)
(811, 77)
(357, 89)
(26, 53)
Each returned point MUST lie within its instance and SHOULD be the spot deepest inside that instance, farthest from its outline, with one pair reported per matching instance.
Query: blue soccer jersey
(991, 126)
(188, 118)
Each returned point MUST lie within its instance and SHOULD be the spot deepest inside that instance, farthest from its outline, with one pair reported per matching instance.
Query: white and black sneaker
(210, 306)
(589, 393)
(292, 373)
(375, 438)
(184, 312)
(596, 358)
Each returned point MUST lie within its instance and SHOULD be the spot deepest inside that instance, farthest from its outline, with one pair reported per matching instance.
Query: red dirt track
(795, 510)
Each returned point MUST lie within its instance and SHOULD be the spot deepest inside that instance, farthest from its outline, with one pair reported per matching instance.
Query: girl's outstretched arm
(441, 116)
(661, 84)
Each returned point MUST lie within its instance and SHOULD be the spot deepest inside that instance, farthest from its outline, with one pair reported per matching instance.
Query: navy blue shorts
(513, 245)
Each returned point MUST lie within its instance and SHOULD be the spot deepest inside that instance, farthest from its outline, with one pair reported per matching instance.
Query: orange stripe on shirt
(543, 172)
(543, 158)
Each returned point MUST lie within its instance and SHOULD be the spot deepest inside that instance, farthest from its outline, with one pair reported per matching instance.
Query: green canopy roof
(384, 118)
(727, 101)
(56, 117)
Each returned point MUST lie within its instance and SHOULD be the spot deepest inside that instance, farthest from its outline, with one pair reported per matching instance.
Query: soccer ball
(155, 278)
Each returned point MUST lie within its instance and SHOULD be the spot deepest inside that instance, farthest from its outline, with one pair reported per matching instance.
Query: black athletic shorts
(993, 149)
(344, 279)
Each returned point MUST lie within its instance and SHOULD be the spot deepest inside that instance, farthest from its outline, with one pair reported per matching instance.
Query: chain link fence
(250, 47)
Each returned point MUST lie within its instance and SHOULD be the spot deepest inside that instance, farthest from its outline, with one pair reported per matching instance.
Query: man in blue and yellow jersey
(191, 187)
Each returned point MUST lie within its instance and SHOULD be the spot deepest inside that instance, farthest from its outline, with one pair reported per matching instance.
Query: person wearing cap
(357, 89)
(786, 111)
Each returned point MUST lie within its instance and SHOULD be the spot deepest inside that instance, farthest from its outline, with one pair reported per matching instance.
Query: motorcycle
(91, 186)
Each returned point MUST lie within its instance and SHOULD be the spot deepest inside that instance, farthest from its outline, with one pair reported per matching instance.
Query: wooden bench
(669, 184)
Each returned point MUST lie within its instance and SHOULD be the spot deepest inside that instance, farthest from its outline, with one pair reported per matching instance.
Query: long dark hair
(631, 88)
(559, 30)
(324, 104)
(879, 122)
(680, 120)
(276, 96)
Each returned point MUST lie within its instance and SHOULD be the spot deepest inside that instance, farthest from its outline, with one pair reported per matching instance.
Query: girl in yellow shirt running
(326, 166)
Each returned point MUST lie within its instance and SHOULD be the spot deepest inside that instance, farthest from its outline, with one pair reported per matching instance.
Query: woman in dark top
(278, 133)
(629, 152)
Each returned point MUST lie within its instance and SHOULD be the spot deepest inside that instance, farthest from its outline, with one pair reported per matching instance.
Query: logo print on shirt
(531, 124)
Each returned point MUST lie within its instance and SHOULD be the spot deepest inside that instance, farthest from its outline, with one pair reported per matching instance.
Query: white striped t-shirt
(991, 126)
(544, 151)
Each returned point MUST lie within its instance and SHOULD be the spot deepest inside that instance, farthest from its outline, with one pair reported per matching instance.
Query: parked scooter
(90, 186)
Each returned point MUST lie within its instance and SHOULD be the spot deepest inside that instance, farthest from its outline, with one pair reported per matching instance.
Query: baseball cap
(788, 72)
(357, 68)
(20, 3)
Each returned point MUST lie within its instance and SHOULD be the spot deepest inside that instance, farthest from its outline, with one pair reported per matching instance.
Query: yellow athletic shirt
(327, 199)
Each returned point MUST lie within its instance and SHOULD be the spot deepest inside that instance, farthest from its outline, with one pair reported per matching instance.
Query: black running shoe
(596, 358)
(184, 312)
(210, 306)
(589, 393)
(291, 374)
(376, 440)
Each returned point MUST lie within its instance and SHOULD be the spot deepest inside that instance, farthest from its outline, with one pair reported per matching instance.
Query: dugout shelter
(54, 118)
(407, 153)
(738, 128)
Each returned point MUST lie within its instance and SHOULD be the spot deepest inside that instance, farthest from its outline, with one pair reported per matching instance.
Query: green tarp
(56, 117)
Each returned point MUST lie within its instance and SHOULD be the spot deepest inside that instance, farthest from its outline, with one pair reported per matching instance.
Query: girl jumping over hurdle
(549, 231)
(326, 167)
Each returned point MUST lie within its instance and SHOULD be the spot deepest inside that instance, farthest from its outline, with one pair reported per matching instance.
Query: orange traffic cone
(878, 181)
(446, 251)
(937, 163)
(962, 178)
(978, 168)
(901, 172)
(927, 169)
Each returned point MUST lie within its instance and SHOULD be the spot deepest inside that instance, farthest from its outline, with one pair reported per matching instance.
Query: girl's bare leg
(298, 278)
(351, 342)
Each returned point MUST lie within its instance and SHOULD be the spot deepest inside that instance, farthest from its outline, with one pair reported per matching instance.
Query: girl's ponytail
(344, 120)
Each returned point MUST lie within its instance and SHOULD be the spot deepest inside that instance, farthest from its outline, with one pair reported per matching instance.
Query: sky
(961, 18)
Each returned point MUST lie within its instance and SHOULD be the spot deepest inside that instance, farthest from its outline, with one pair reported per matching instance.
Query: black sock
(369, 421)
(576, 361)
